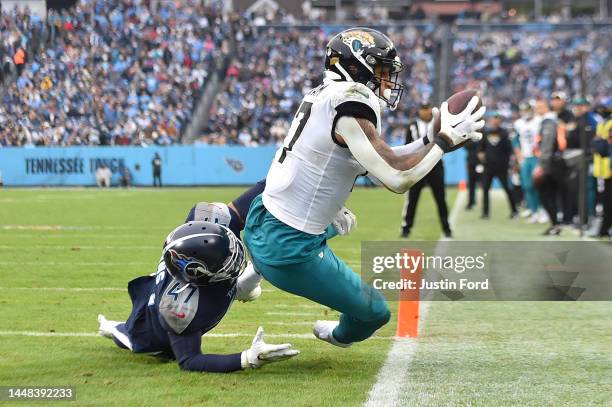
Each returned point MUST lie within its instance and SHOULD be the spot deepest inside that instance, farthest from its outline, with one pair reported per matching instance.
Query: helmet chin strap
(331, 75)
(385, 100)
(387, 96)
(343, 72)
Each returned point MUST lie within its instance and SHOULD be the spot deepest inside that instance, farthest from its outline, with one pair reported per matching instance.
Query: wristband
(440, 140)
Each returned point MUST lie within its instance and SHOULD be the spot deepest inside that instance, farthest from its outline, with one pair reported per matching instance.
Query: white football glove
(261, 353)
(456, 129)
(344, 222)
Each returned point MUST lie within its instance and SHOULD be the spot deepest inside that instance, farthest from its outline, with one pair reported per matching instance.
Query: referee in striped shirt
(417, 129)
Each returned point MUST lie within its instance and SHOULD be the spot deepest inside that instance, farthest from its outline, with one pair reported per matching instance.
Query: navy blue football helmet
(203, 253)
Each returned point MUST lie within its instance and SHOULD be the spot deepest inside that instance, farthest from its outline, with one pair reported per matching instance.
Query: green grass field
(67, 255)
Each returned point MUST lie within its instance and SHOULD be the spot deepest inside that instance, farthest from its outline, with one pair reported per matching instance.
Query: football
(458, 102)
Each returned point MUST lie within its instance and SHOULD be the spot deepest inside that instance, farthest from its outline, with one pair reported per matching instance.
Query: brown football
(457, 103)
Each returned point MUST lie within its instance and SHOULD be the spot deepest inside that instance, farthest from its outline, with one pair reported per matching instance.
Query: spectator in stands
(495, 153)
(129, 78)
(263, 88)
(509, 67)
(103, 176)
(19, 59)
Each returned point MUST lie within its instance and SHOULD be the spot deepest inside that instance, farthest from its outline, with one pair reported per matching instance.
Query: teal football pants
(529, 189)
(329, 281)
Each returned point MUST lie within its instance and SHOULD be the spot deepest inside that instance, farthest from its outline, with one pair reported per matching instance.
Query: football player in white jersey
(334, 138)
(527, 127)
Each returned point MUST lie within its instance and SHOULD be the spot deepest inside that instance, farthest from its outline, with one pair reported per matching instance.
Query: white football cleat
(248, 286)
(250, 296)
(323, 330)
(107, 327)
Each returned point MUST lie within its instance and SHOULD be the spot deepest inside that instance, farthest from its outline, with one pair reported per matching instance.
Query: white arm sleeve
(396, 180)
(409, 148)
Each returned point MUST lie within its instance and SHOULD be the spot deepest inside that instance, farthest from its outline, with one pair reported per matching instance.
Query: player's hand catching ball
(261, 353)
(458, 128)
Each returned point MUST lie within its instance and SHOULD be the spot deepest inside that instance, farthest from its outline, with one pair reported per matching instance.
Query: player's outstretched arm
(419, 143)
(396, 172)
(413, 146)
(187, 349)
(261, 353)
(399, 170)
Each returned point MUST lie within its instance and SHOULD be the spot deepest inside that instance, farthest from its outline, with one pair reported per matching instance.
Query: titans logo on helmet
(192, 267)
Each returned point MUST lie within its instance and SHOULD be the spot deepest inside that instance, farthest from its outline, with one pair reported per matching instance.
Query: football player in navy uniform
(198, 277)
(200, 273)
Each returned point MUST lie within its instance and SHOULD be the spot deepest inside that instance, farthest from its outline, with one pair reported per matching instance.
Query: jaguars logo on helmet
(364, 55)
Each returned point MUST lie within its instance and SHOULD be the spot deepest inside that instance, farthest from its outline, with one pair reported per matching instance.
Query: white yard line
(78, 263)
(92, 289)
(309, 306)
(393, 375)
(76, 247)
(76, 236)
(76, 289)
(77, 227)
(294, 323)
(209, 335)
(294, 314)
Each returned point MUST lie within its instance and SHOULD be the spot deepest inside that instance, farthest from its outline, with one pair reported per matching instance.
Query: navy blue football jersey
(163, 306)
(169, 317)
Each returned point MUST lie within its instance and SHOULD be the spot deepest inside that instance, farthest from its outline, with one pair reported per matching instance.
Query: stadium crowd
(113, 72)
(510, 67)
(20, 33)
(274, 67)
(81, 90)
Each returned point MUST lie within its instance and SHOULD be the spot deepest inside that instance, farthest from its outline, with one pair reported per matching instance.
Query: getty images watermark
(410, 263)
(486, 271)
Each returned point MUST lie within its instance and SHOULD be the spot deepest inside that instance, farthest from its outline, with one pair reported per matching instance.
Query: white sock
(249, 279)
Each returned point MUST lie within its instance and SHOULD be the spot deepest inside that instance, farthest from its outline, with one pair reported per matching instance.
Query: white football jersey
(527, 131)
(312, 175)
